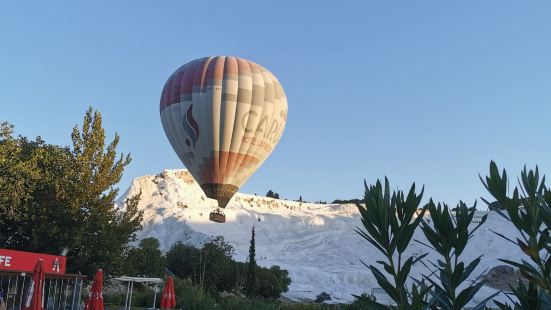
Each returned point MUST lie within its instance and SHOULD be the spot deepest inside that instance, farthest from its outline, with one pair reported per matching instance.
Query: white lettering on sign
(5, 261)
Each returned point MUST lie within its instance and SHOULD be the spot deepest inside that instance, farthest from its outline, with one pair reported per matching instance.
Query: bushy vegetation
(191, 296)
(206, 277)
(346, 201)
(528, 208)
(390, 219)
(54, 198)
(272, 194)
(146, 260)
(213, 269)
(323, 296)
(448, 237)
(210, 267)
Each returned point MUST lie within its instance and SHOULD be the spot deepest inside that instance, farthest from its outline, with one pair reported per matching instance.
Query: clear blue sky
(425, 91)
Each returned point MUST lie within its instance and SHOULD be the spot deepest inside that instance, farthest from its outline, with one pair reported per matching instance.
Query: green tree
(55, 197)
(210, 267)
(216, 266)
(146, 260)
(271, 282)
(213, 269)
(18, 171)
(179, 259)
(251, 279)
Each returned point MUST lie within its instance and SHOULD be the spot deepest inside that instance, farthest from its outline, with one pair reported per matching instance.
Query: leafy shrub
(189, 296)
(529, 210)
(271, 282)
(210, 267)
(448, 236)
(361, 302)
(389, 225)
(213, 269)
(244, 303)
(346, 201)
(146, 260)
(322, 297)
(179, 258)
(390, 221)
(113, 299)
(142, 296)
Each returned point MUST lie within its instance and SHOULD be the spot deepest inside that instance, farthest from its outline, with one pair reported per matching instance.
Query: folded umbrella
(168, 299)
(34, 296)
(95, 298)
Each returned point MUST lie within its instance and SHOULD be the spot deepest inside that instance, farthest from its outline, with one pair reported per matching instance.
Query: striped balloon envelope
(223, 116)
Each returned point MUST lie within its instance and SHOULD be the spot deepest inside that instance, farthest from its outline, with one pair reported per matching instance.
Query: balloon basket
(217, 216)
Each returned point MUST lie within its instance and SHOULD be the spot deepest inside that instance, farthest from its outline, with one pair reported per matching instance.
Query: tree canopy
(63, 197)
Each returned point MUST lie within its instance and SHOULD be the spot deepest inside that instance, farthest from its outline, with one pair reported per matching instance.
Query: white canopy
(130, 288)
(139, 279)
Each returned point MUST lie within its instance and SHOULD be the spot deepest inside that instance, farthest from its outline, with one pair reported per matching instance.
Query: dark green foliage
(213, 269)
(529, 210)
(346, 201)
(251, 278)
(179, 259)
(271, 282)
(323, 296)
(272, 194)
(219, 272)
(210, 267)
(362, 302)
(18, 174)
(241, 303)
(389, 224)
(264, 282)
(142, 296)
(113, 298)
(387, 227)
(190, 296)
(448, 236)
(529, 297)
(493, 206)
(145, 260)
(53, 197)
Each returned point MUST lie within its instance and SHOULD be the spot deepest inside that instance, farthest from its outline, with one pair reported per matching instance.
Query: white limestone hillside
(315, 243)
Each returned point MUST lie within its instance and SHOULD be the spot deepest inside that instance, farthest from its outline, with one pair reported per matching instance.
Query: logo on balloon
(191, 127)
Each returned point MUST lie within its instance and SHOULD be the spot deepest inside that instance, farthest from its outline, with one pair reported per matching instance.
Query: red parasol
(168, 300)
(34, 297)
(95, 298)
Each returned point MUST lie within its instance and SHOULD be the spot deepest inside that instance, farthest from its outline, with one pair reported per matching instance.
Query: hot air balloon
(223, 116)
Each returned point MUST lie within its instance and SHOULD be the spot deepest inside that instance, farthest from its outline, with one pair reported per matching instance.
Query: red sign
(26, 261)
